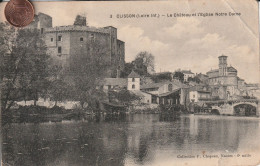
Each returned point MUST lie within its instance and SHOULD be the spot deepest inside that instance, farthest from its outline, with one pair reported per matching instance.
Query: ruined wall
(121, 54)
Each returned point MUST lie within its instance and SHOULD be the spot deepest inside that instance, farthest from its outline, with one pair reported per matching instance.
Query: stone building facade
(224, 79)
(66, 41)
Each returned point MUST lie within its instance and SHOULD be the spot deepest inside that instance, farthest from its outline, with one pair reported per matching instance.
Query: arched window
(133, 79)
(133, 86)
(170, 87)
(81, 39)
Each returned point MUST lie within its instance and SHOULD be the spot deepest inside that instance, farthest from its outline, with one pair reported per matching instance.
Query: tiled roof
(232, 69)
(186, 72)
(154, 85)
(133, 75)
(222, 56)
(159, 84)
(169, 93)
(199, 88)
(213, 71)
(138, 93)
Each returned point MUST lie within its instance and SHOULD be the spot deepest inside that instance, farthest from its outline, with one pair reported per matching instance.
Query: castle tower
(133, 81)
(222, 65)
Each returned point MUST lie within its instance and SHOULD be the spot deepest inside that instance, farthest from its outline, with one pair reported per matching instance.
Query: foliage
(123, 96)
(80, 20)
(25, 68)
(84, 70)
(194, 79)
(179, 75)
(162, 77)
(142, 64)
(127, 70)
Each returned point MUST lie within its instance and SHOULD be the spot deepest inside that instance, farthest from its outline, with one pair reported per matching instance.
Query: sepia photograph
(131, 83)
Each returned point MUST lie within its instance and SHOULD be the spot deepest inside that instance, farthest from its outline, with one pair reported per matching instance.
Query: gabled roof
(222, 56)
(154, 85)
(232, 69)
(186, 72)
(159, 84)
(133, 75)
(169, 93)
(137, 92)
(213, 71)
(200, 88)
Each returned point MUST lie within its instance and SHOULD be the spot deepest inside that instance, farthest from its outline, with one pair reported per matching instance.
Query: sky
(176, 42)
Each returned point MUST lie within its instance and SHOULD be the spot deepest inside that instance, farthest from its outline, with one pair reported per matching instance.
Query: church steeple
(222, 65)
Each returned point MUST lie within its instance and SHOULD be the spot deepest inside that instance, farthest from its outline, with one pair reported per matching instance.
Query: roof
(137, 92)
(113, 82)
(222, 56)
(199, 88)
(159, 84)
(231, 69)
(154, 85)
(169, 93)
(240, 79)
(133, 75)
(202, 75)
(186, 72)
(212, 71)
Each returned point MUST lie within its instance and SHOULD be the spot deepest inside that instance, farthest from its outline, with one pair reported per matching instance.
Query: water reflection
(126, 140)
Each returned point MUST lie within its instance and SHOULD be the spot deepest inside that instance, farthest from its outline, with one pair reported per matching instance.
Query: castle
(65, 41)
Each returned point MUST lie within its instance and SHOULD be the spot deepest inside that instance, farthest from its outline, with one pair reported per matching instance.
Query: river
(133, 140)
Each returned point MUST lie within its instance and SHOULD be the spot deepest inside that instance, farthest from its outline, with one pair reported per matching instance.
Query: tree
(85, 68)
(179, 75)
(162, 77)
(123, 96)
(195, 79)
(129, 67)
(144, 63)
(80, 20)
(25, 67)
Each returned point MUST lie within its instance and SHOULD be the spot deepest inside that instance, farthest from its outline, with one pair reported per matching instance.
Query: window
(41, 30)
(193, 96)
(170, 87)
(59, 50)
(133, 86)
(92, 37)
(81, 39)
(59, 38)
(133, 79)
(51, 39)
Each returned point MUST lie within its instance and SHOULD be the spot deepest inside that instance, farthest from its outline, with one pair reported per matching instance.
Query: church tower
(222, 65)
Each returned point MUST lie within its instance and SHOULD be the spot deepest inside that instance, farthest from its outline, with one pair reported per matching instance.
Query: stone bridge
(233, 107)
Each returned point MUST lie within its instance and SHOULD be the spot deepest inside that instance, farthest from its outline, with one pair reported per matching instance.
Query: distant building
(112, 84)
(203, 78)
(65, 41)
(225, 76)
(199, 93)
(187, 74)
(133, 81)
(166, 92)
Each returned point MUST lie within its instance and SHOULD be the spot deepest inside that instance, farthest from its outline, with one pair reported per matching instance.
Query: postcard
(113, 83)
